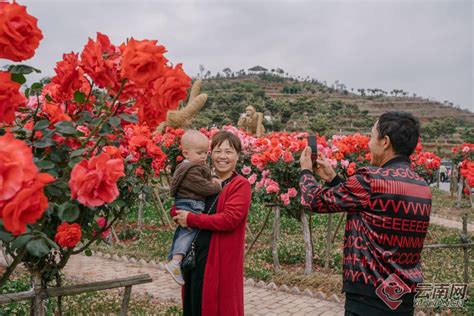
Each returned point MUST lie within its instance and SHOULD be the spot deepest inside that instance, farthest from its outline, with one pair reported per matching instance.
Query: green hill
(309, 105)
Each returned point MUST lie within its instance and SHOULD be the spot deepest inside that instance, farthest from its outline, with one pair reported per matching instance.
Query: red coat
(223, 292)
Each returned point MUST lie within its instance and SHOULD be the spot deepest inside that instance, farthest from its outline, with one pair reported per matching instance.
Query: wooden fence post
(328, 242)
(38, 302)
(307, 243)
(140, 211)
(276, 235)
(465, 240)
(126, 300)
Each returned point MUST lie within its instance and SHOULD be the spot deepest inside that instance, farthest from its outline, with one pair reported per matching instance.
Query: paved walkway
(449, 223)
(258, 301)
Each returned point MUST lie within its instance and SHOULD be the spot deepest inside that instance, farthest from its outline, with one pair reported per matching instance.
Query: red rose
(68, 235)
(69, 76)
(27, 206)
(10, 98)
(16, 166)
(143, 61)
(94, 182)
(101, 222)
(99, 61)
(55, 113)
(19, 33)
(149, 114)
(171, 88)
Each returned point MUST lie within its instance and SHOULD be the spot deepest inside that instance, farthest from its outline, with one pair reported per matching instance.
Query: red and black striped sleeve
(340, 196)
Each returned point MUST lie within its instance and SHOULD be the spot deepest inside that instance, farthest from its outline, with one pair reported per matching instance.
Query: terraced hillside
(289, 104)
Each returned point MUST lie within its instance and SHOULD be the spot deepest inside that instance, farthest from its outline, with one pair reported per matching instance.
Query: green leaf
(75, 160)
(43, 143)
(88, 252)
(54, 173)
(45, 165)
(27, 92)
(95, 121)
(115, 121)
(131, 118)
(147, 189)
(79, 97)
(37, 248)
(53, 191)
(119, 203)
(48, 98)
(56, 157)
(105, 130)
(61, 185)
(41, 125)
(22, 69)
(21, 241)
(6, 236)
(18, 78)
(78, 152)
(51, 243)
(65, 127)
(69, 214)
(37, 86)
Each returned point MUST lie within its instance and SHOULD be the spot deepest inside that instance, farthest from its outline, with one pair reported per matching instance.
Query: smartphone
(313, 144)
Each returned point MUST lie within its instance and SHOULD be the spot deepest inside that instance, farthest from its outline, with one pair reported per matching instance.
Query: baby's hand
(216, 180)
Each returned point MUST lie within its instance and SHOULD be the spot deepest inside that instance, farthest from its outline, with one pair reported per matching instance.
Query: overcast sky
(424, 47)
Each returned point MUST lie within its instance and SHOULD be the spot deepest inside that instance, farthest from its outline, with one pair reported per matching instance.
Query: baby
(191, 184)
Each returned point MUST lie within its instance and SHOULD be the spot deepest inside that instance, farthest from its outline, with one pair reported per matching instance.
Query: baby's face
(198, 152)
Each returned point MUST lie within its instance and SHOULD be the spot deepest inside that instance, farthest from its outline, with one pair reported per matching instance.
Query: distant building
(257, 70)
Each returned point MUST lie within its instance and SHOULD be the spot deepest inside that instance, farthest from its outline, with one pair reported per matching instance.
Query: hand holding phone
(312, 143)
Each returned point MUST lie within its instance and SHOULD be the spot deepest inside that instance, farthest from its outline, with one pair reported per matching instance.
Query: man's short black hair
(403, 129)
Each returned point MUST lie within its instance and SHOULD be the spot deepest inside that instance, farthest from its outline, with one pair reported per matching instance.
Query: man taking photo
(388, 209)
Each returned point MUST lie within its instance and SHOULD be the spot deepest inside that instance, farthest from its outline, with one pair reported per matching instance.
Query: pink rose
(285, 198)
(265, 173)
(246, 170)
(252, 178)
(344, 163)
(272, 187)
(292, 192)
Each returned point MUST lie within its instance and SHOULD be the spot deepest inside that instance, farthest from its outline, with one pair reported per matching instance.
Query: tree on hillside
(320, 124)
(439, 128)
(227, 71)
(201, 70)
(467, 135)
(351, 111)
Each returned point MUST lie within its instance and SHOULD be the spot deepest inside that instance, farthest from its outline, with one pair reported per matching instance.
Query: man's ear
(386, 142)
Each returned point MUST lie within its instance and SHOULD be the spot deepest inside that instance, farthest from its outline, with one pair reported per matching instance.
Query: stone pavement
(449, 223)
(258, 301)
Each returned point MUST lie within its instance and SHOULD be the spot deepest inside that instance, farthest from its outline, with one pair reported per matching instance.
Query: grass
(445, 205)
(154, 240)
(96, 303)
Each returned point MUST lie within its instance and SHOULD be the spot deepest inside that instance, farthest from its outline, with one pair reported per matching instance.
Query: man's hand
(305, 160)
(181, 218)
(323, 168)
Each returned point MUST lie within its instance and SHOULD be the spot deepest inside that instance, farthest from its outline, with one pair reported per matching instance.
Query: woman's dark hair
(403, 129)
(222, 136)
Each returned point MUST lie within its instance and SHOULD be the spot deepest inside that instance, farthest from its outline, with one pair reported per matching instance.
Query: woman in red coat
(215, 286)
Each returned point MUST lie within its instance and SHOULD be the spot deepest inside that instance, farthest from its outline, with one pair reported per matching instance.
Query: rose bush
(19, 33)
(463, 159)
(78, 149)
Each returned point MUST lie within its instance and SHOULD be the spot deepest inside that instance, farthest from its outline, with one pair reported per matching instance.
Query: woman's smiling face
(224, 159)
